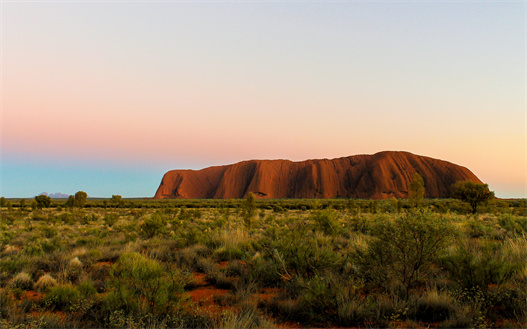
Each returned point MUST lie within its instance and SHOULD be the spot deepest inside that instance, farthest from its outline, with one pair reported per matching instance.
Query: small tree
(70, 203)
(472, 193)
(249, 209)
(117, 201)
(3, 202)
(43, 201)
(405, 250)
(22, 203)
(417, 190)
(80, 199)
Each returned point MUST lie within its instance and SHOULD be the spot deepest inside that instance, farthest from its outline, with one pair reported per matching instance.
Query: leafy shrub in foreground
(142, 286)
(62, 297)
(476, 264)
(404, 250)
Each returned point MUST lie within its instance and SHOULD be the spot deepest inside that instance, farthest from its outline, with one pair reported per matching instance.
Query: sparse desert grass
(317, 263)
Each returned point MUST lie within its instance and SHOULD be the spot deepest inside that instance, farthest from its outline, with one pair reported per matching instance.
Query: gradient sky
(105, 97)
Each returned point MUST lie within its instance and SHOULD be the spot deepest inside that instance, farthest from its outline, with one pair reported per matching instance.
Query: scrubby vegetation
(250, 263)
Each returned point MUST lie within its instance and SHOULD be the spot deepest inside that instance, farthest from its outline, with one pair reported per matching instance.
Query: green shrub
(86, 289)
(404, 250)
(110, 219)
(62, 297)
(141, 285)
(49, 231)
(67, 218)
(326, 221)
(153, 225)
(514, 224)
(474, 264)
(305, 259)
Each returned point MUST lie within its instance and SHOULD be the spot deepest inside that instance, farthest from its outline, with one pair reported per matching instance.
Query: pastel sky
(105, 97)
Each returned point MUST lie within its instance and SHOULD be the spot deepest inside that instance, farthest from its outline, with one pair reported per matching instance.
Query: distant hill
(57, 195)
(378, 176)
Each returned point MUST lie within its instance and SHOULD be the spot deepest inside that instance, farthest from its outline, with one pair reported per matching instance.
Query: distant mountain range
(379, 176)
(57, 195)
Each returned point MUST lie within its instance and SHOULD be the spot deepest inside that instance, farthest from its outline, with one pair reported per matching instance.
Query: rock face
(378, 176)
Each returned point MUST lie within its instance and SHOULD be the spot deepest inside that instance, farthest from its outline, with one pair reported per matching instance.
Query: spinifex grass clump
(22, 281)
(74, 269)
(45, 282)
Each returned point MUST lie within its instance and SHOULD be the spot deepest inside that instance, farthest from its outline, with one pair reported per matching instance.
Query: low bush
(110, 219)
(403, 251)
(23, 281)
(478, 264)
(44, 283)
(141, 286)
(326, 221)
(433, 306)
(62, 297)
(153, 225)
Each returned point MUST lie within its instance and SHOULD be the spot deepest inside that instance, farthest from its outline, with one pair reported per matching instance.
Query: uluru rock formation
(378, 176)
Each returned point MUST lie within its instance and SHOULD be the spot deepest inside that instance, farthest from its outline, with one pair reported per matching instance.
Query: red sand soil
(268, 293)
(32, 295)
(39, 314)
(379, 176)
(204, 295)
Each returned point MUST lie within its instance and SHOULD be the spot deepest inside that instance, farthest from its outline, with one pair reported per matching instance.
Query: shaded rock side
(378, 176)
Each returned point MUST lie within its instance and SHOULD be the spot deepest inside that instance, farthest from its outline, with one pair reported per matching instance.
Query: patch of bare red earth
(32, 295)
(36, 296)
(204, 296)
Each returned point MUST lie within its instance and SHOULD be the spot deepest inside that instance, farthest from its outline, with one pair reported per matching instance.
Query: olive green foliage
(153, 225)
(80, 199)
(404, 250)
(70, 203)
(117, 201)
(249, 209)
(43, 201)
(326, 221)
(111, 218)
(472, 193)
(417, 190)
(3, 201)
(62, 297)
(142, 285)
